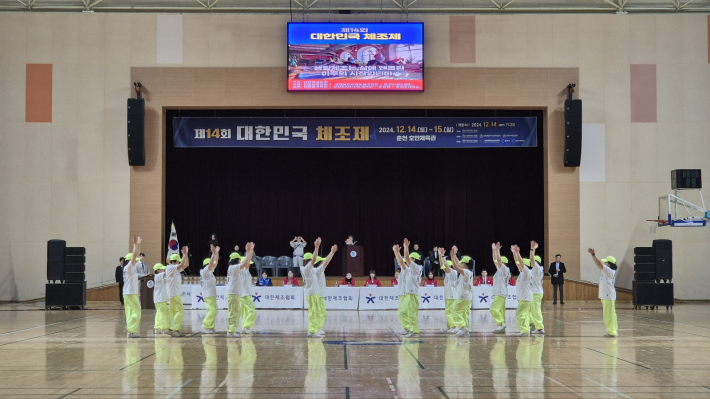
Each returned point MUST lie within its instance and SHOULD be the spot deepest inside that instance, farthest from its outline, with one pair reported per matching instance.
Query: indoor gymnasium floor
(85, 354)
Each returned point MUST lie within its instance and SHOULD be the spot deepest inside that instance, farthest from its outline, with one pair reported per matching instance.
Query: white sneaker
(606, 335)
(500, 330)
(411, 334)
(176, 333)
(208, 331)
(504, 326)
(527, 334)
(234, 335)
(321, 332)
(463, 333)
(454, 330)
(133, 335)
(246, 331)
(316, 335)
(533, 331)
(403, 332)
(538, 332)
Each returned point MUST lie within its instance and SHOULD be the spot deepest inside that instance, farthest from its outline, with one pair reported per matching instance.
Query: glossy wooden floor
(85, 354)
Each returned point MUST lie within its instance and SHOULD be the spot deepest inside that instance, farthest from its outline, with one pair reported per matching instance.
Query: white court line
(564, 386)
(47, 325)
(178, 388)
(606, 387)
(663, 321)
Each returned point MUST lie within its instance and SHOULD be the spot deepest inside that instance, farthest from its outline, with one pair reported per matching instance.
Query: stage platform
(85, 354)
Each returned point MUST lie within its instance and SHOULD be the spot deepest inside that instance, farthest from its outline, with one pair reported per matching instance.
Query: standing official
(119, 277)
(141, 267)
(557, 277)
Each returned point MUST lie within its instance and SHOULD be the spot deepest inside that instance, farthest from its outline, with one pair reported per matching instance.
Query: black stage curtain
(467, 197)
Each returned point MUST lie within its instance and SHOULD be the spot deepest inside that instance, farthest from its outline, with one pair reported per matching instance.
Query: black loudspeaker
(644, 293)
(55, 259)
(74, 251)
(645, 251)
(54, 295)
(649, 259)
(136, 143)
(75, 259)
(74, 268)
(573, 132)
(664, 294)
(664, 259)
(71, 294)
(74, 277)
(641, 276)
(638, 268)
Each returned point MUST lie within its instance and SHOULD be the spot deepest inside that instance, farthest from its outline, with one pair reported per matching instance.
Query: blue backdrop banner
(355, 132)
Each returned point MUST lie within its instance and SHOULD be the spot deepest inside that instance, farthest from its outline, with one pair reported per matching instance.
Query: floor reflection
(316, 383)
(408, 383)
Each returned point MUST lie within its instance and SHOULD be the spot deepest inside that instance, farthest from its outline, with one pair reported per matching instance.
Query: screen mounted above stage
(355, 132)
(355, 57)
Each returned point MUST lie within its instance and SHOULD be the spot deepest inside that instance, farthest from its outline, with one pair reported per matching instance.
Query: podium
(354, 260)
(146, 292)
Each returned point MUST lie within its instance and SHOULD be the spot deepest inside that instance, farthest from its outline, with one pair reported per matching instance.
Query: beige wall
(70, 178)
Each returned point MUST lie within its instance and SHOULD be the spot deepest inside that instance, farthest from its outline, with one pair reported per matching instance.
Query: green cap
(504, 259)
(319, 259)
(450, 263)
(129, 256)
(609, 259)
(538, 259)
(175, 257)
(466, 259)
(206, 262)
(415, 255)
(234, 255)
(307, 256)
(526, 261)
(159, 266)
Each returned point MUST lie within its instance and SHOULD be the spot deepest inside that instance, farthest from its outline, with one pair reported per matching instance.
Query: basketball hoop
(652, 224)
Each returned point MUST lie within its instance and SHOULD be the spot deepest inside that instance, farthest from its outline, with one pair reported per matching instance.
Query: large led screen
(355, 57)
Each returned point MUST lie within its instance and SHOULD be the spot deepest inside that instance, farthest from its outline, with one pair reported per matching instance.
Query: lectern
(146, 291)
(354, 260)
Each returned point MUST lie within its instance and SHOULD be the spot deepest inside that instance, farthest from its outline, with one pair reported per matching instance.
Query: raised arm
(327, 260)
(398, 256)
(442, 260)
(136, 250)
(597, 262)
(496, 255)
(215, 257)
(406, 252)
(185, 259)
(249, 247)
(455, 260)
(516, 256)
(533, 247)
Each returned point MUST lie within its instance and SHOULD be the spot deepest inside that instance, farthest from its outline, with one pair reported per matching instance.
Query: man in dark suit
(557, 277)
(119, 278)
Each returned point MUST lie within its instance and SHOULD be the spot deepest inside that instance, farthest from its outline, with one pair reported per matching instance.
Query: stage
(84, 354)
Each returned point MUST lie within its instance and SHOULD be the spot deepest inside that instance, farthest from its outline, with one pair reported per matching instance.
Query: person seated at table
(348, 281)
(511, 282)
(393, 282)
(373, 280)
(291, 280)
(430, 280)
(484, 279)
(264, 281)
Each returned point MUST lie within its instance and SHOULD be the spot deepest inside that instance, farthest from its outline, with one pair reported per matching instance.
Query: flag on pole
(173, 244)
